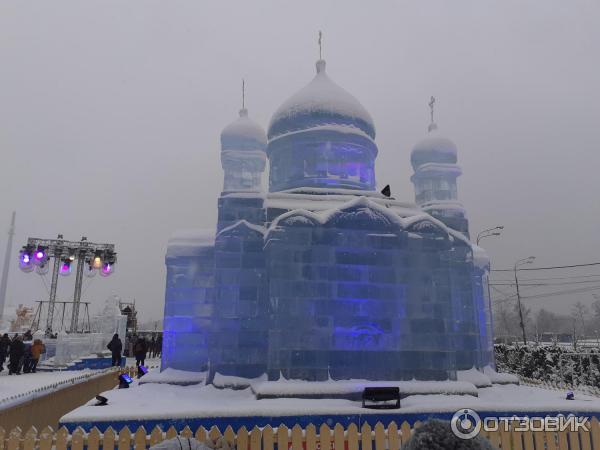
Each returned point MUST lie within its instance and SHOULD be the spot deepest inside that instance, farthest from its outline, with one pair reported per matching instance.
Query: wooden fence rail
(282, 438)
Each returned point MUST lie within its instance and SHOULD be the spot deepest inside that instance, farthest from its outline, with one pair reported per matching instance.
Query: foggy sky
(110, 114)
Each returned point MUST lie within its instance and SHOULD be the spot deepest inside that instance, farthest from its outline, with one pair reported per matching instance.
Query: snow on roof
(322, 96)
(439, 168)
(433, 148)
(243, 133)
(338, 128)
(243, 223)
(481, 259)
(364, 208)
(190, 242)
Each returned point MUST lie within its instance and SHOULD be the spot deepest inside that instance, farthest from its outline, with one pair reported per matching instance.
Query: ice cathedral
(324, 277)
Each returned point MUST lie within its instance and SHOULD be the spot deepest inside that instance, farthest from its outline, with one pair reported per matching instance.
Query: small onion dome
(434, 148)
(243, 134)
(320, 102)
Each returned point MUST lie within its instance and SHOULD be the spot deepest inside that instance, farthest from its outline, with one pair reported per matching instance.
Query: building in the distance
(323, 276)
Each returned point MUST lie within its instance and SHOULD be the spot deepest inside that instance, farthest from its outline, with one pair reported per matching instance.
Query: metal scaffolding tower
(86, 254)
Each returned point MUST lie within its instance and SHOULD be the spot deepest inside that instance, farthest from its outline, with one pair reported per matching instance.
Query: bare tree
(578, 312)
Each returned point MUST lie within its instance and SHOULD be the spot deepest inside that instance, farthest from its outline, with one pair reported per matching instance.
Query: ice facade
(322, 276)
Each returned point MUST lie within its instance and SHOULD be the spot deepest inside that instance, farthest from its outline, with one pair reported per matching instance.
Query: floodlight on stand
(142, 370)
(65, 267)
(102, 401)
(124, 381)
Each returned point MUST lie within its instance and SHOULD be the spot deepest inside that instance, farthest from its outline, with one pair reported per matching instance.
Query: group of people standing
(135, 346)
(23, 353)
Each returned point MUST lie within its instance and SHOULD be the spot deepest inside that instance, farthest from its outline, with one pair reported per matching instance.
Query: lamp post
(519, 263)
(489, 232)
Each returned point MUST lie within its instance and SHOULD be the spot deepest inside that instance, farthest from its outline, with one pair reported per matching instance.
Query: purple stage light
(106, 270)
(26, 258)
(65, 268)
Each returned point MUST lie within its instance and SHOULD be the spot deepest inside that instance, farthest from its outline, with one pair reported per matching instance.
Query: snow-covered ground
(15, 389)
(149, 402)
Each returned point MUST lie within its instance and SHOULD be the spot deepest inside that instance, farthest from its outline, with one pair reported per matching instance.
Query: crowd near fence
(380, 437)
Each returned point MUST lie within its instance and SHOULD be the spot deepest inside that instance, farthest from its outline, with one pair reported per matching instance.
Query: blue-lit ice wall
(238, 339)
(189, 300)
(368, 298)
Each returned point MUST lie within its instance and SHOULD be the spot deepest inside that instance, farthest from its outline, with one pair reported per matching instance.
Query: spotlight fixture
(107, 269)
(40, 256)
(25, 260)
(97, 261)
(384, 397)
(124, 381)
(142, 370)
(102, 401)
(387, 191)
(65, 267)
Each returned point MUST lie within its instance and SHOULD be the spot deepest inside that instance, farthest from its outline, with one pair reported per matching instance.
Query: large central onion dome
(320, 102)
(321, 137)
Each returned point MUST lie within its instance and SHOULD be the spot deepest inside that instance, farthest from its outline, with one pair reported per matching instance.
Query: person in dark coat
(4, 349)
(116, 347)
(158, 346)
(152, 347)
(140, 349)
(17, 352)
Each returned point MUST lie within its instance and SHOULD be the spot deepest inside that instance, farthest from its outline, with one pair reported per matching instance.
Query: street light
(519, 263)
(489, 232)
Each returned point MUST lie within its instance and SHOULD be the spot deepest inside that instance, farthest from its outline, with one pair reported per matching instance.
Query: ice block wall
(189, 300)
(361, 293)
(238, 340)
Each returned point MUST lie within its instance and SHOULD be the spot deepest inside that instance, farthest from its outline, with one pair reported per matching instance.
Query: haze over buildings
(110, 116)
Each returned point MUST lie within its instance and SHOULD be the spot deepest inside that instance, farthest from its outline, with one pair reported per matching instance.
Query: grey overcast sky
(110, 114)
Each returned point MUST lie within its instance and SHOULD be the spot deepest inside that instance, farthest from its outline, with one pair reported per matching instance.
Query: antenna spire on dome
(243, 111)
(320, 45)
(432, 126)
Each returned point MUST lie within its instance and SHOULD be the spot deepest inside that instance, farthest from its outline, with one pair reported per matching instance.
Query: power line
(564, 283)
(552, 278)
(550, 267)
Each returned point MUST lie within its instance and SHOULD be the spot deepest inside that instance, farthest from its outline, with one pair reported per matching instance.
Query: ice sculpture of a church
(323, 277)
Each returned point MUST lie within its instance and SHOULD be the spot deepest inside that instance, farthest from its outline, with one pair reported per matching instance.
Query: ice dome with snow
(323, 277)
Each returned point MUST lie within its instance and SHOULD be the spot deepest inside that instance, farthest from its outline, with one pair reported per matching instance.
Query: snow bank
(354, 388)
(474, 376)
(232, 382)
(500, 378)
(174, 376)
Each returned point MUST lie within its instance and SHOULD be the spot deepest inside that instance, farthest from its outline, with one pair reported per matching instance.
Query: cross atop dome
(432, 126)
